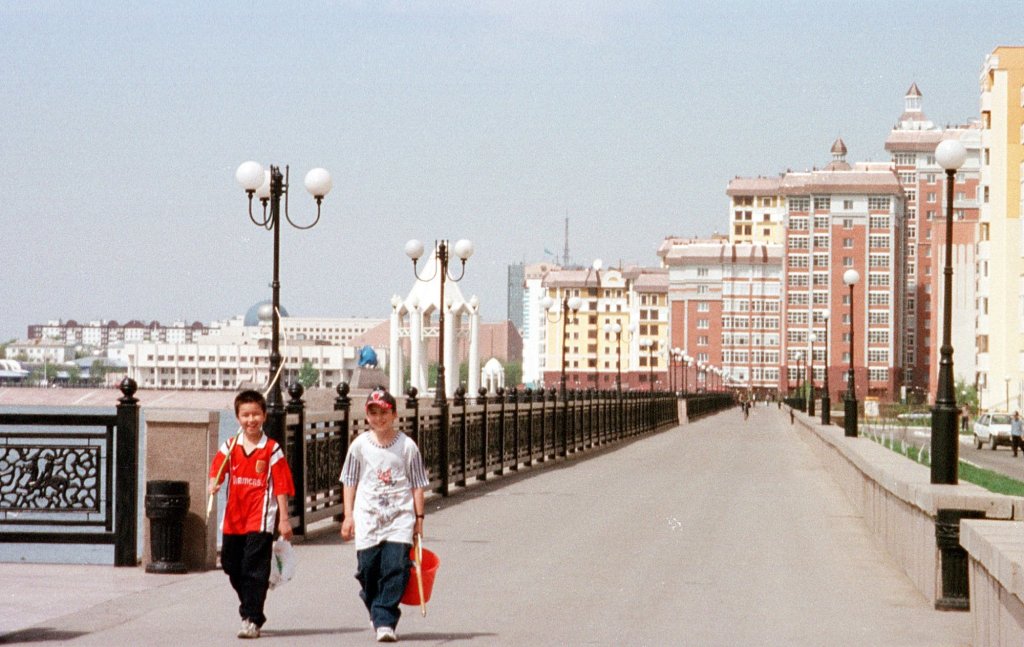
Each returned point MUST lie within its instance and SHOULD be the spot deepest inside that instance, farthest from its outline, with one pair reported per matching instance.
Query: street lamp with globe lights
(850, 278)
(463, 250)
(950, 155)
(268, 186)
(568, 305)
(826, 400)
(810, 373)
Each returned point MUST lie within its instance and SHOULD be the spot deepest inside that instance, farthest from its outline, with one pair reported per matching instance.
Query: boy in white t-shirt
(383, 480)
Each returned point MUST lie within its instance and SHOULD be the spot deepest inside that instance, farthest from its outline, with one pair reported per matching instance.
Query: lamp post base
(850, 417)
(945, 445)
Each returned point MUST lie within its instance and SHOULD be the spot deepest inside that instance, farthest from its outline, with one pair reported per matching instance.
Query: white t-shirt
(384, 478)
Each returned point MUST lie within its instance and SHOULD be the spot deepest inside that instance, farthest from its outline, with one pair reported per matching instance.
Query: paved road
(723, 532)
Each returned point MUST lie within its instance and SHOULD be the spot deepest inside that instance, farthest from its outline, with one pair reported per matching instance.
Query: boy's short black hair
(246, 397)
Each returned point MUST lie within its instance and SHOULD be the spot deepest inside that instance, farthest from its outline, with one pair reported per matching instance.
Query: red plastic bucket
(429, 569)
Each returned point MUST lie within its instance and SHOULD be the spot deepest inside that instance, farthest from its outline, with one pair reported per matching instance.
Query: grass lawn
(991, 481)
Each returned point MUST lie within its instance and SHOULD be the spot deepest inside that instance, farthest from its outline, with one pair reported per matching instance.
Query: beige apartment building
(1000, 283)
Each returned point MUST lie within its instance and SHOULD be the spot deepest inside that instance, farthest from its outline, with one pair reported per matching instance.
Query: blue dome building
(252, 315)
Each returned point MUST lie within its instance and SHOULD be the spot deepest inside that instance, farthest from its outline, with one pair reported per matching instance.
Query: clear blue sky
(123, 123)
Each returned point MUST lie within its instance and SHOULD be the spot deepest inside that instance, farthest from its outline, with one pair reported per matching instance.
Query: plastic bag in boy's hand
(282, 563)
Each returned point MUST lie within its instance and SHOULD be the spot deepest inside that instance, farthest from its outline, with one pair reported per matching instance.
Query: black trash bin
(166, 505)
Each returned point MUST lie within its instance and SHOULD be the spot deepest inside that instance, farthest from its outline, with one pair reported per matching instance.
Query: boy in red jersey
(259, 484)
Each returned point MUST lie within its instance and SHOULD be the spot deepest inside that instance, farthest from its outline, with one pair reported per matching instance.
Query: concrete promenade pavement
(723, 532)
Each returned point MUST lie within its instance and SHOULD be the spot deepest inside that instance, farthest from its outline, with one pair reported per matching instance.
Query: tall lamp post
(810, 373)
(686, 359)
(1006, 380)
(596, 267)
(800, 372)
(649, 345)
(950, 154)
(826, 401)
(268, 186)
(463, 250)
(850, 278)
(569, 304)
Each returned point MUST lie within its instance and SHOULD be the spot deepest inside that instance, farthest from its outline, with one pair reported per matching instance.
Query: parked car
(992, 428)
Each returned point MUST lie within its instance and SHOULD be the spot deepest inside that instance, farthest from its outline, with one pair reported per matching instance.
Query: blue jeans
(383, 573)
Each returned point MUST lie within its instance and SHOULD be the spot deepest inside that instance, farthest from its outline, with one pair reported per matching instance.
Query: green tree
(74, 373)
(98, 371)
(308, 376)
(967, 395)
(513, 373)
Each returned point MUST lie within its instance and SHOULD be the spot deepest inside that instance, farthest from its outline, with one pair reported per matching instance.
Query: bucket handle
(418, 546)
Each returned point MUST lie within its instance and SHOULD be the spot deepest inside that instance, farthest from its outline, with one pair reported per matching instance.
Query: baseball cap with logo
(382, 399)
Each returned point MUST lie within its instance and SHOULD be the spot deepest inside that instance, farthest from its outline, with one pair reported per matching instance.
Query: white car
(992, 428)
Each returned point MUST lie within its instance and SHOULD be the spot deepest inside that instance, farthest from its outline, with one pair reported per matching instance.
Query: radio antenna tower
(565, 255)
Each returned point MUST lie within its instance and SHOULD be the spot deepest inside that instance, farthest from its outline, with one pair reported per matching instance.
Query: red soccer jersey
(254, 481)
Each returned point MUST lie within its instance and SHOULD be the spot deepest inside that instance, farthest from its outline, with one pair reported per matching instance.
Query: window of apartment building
(797, 298)
(798, 260)
(702, 271)
(799, 204)
(911, 233)
(798, 242)
(796, 318)
(908, 178)
(745, 200)
(847, 223)
(879, 222)
(878, 374)
(847, 205)
(702, 340)
(878, 241)
(820, 279)
(821, 222)
(847, 243)
(879, 203)
(847, 261)
(878, 260)
(878, 336)
(988, 155)
(911, 195)
(798, 224)
(702, 323)
(702, 289)
(820, 298)
(703, 306)
(904, 159)
(878, 279)
(821, 242)
(931, 197)
(822, 204)
(821, 260)
(878, 317)
(878, 298)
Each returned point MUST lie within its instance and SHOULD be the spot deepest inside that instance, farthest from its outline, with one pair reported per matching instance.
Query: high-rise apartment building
(756, 211)
(634, 298)
(1000, 286)
(912, 145)
(726, 308)
(837, 218)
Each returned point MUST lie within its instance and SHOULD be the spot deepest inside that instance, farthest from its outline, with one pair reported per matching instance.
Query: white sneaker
(386, 635)
(249, 630)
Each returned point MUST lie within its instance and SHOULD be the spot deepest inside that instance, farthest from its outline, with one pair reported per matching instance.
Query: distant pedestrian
(965, 419)
(1015, 431)
(259, 484)
(383, 480)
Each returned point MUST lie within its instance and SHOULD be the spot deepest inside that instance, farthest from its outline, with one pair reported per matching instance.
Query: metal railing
(494, 435)
(59, 486)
